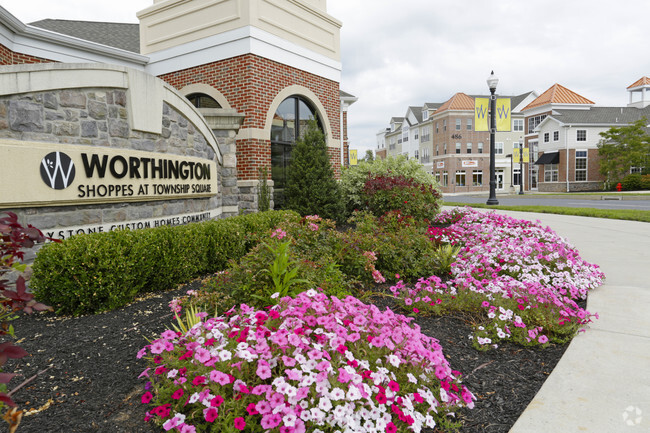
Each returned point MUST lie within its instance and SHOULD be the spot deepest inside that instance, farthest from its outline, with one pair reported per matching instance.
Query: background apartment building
(443, 138)
(563, 133)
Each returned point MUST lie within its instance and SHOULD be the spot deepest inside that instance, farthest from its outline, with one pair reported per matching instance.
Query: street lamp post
(492, 82)
(521, 167)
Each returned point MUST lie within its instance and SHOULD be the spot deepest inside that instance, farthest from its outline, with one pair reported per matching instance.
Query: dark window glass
(200, 100)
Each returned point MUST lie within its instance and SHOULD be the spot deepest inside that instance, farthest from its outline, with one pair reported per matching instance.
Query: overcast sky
(397, 54)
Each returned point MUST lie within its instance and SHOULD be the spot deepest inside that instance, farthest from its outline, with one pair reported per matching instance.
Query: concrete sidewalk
(602, 383)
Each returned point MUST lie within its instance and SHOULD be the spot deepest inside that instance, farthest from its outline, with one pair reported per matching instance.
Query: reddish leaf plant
(14, 238)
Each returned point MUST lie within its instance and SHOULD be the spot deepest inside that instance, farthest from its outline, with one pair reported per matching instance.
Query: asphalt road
(568, 200)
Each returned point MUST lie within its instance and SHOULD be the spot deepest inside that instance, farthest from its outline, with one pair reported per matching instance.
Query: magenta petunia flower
(251, 409)
(210, 414)
(146, 397)
(178, 393)
(240, 423)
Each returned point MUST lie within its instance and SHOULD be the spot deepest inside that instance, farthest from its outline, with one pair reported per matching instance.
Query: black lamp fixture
(492, 82)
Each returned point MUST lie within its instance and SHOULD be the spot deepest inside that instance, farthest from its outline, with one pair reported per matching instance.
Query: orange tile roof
(459, 101)
(643, 81)
(558, 94)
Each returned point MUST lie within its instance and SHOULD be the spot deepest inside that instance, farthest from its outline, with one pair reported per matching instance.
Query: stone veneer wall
(573, 186)
(99, 117)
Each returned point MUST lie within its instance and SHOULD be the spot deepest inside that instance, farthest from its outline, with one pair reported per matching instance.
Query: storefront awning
(548, 158)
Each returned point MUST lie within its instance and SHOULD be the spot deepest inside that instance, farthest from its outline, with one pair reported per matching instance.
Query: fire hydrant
(619, 187)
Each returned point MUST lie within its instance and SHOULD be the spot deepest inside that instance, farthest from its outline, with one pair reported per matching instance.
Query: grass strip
(619, 214)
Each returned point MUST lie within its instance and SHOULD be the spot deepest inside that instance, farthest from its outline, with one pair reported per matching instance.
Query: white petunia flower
(353, 393)
(325, 404)
(394, 360)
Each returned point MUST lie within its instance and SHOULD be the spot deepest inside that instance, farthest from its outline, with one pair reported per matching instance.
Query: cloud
(395, 56)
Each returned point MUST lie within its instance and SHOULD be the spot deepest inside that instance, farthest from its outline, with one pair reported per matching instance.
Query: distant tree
(370, 156)
(623, 147)
(311, 187)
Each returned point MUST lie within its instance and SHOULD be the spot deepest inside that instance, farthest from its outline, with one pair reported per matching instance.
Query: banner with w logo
(481, 106)
(502, 115)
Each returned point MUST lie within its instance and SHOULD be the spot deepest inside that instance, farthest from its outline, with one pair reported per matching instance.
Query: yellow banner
(515, 155)
(353, 157)
(503, 114)
(481, 106)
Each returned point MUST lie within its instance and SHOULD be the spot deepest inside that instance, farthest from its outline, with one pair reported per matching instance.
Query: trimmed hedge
(102, 271)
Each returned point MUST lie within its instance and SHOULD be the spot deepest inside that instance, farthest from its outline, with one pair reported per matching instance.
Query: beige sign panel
(45, 174)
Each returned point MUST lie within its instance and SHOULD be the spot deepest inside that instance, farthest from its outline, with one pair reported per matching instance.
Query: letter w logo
(503, 112)
(481, 111)
(57, 170)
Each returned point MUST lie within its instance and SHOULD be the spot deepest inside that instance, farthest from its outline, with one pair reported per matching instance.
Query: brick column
(237, 195)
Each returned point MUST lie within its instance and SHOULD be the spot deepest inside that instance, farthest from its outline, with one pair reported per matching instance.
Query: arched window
(289, 123)
(201, 100)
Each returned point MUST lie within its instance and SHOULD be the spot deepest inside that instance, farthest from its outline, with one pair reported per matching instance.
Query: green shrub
(645, 181)
(263, 191)
(400, 247)
(88, 273)
(103, 271)
(632, 182)
(354, 178)
(257, 225)
(249, 280)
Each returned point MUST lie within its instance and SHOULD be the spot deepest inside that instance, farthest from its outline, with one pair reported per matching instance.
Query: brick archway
(297, 90)
(207, 90)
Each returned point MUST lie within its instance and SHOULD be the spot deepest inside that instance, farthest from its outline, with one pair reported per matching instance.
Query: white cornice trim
(245, 40)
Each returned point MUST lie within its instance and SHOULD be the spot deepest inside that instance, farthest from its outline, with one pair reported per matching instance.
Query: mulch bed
(91, 380)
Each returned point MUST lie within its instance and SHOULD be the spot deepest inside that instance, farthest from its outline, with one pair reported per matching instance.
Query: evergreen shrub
(311, 186)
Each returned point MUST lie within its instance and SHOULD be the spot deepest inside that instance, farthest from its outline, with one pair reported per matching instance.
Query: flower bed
(522, 279)
(310, 363)
(316, 363)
